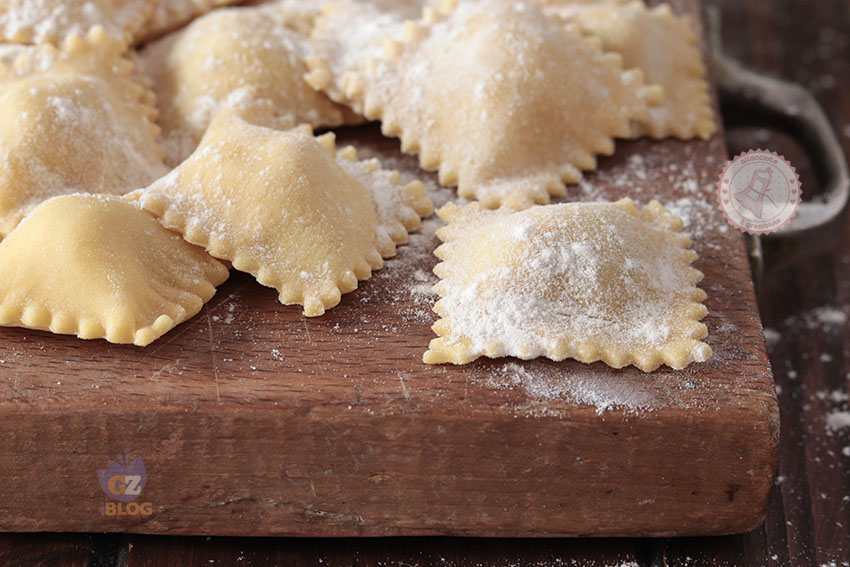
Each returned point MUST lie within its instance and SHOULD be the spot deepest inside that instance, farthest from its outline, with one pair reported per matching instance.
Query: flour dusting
(586, 386)
(838, 420)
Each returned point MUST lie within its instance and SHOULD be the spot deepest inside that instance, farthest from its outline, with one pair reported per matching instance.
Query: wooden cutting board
(253, 420)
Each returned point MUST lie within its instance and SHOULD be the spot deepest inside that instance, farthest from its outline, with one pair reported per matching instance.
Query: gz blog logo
(123, 481)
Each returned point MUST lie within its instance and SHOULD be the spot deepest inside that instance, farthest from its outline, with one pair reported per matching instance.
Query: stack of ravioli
(152, 145)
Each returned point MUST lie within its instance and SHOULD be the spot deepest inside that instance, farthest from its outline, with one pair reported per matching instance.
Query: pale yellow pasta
(97, 267)
(168, 15)
(71, 121)
(51, 21)
(549, 5)
(589, 281)
(346, 35)
(196, 70)
(665, 47)
(504, 102)
(287, 208)
(299, 15)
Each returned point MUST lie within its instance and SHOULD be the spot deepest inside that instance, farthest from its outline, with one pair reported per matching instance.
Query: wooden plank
(60, 550)
(252, 420)
(154, 551)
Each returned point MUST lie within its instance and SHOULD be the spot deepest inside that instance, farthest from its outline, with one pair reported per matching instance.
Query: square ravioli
(589, 281)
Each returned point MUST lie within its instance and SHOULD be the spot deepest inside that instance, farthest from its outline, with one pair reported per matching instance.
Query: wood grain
(380, 552)
(66, 550)
(253, 420)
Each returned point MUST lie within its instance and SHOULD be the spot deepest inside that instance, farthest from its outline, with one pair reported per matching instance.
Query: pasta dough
(547, 5)
(666, 49)
(71, 120)
(300, 15)
(505, 102)
(590, 281)
(51, 21)
(168, 15)
(111, 272)
(349, 33)
(194, 71)
(285, 207)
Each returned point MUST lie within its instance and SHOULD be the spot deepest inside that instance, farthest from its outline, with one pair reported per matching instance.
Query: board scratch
(404, 389)
(213, 356)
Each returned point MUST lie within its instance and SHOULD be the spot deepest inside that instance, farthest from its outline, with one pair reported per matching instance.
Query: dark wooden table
(804, 300)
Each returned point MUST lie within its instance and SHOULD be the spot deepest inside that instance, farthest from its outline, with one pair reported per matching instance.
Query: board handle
(748, 98)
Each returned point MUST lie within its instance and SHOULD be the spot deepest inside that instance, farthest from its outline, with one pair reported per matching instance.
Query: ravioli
(51, 21)
(72, 120)
(589, 281)
(196, 70)
(506, 103)
(346, 35)
(112, 272)
(168, 15)
(299, 15)
(663, 46)
(555, 4)
(11, 51)
(285, 207)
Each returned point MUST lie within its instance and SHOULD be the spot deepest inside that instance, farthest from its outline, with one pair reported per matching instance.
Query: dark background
(808, 521)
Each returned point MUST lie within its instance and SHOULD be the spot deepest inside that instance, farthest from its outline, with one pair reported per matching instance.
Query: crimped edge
(95, 54)
(168, 15)
(704, 124)
(129, 16)
(413, 203)
(319, 75)
(34, 315)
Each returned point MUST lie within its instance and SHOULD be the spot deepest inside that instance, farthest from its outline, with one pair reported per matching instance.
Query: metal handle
(747, 97)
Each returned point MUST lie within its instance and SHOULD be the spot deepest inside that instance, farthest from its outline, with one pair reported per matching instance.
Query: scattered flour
(823, 317)
(600, 390)
(838, 420)
(835, 396)
(772, 337)
(698, 216)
